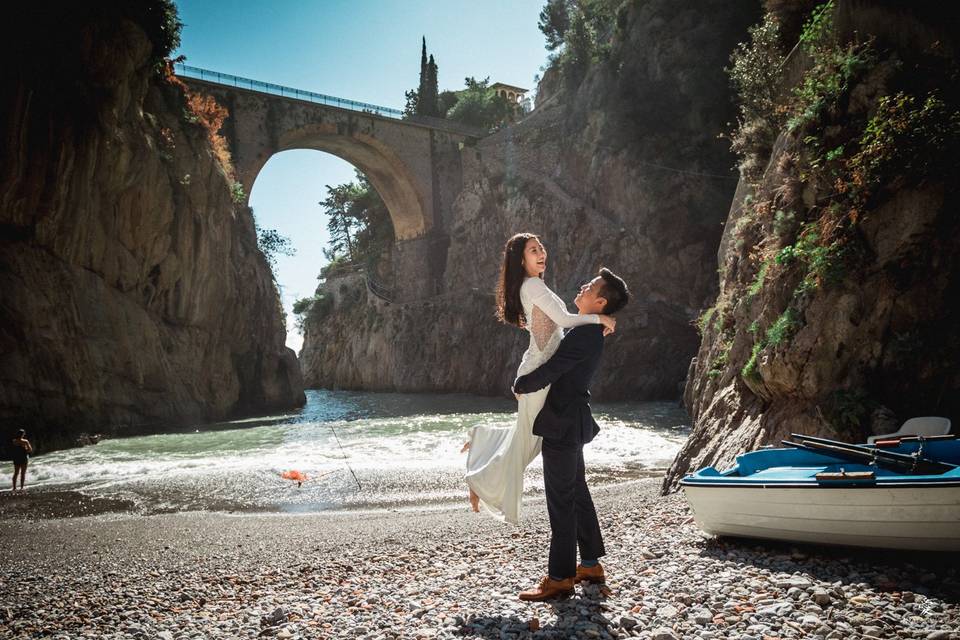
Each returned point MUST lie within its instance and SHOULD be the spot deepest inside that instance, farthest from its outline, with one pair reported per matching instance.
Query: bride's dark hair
(512, 273)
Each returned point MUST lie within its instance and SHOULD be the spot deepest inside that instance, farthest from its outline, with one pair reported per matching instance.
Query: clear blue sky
(364, 50)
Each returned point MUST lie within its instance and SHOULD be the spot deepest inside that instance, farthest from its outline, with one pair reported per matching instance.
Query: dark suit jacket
(566, 414)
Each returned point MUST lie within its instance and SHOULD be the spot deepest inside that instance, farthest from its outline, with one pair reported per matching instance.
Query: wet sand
(44, 502)
(40, 504)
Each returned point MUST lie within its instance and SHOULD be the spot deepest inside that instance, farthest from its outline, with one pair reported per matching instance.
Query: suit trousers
(573, 518)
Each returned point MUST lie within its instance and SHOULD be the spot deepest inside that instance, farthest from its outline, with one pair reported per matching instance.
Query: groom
(566, 424)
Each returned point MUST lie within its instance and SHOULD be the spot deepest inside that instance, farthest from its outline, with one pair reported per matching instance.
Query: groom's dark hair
(614, 291)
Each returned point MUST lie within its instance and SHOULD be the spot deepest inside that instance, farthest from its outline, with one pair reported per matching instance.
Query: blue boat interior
(789, 465)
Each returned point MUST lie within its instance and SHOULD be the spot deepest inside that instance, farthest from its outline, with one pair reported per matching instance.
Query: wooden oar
(851, 456)
(840, 454)
(913, 464)
(871, 455)
(889, 455)
(893, 442)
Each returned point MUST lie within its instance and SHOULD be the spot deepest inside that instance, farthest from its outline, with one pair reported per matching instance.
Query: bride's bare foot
(466, 446)
(474, 502)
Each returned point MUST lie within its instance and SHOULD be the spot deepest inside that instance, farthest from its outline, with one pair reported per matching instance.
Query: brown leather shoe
(549, 588)
(590, 574)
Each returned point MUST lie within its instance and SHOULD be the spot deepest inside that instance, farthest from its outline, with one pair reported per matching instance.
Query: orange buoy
(294, 475)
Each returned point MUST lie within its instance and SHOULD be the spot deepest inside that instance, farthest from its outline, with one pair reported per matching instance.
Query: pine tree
(340, 224)
(554, 22)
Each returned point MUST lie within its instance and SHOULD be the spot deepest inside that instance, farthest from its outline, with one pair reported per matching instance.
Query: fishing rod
(330, 424)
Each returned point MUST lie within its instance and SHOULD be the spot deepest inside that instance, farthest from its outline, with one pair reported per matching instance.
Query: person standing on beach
(499, 455)
(21, 449)
(566, 424)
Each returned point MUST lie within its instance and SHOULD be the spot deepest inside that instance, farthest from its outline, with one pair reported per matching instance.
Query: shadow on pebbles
(453, 574)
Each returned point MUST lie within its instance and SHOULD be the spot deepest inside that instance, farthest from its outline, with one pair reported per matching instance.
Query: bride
(498, 455)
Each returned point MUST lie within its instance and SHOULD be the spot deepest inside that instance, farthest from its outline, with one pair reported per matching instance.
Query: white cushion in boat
(926, 426)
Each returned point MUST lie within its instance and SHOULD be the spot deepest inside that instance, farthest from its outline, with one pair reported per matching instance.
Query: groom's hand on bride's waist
(520, 386)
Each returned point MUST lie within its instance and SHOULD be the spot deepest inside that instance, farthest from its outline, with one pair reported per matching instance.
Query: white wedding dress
(498, 456)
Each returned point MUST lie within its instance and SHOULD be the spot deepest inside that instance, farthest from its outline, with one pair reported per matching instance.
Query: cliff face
(839, 285)
(133, 292)
(626, 171)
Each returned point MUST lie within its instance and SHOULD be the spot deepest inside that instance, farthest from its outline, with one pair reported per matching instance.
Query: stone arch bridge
(413, 163)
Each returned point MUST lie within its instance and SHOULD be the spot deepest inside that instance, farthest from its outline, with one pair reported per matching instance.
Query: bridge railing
(207, 75)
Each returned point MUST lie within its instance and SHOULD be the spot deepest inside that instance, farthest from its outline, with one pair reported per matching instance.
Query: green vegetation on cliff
(159, 20)
(755, 76)
(580, 33)
(271, 244)
(843, 141)
(361, 238)
(359, 225)
(476, 105)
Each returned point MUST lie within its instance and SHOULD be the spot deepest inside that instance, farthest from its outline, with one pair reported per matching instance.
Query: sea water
(359, 451)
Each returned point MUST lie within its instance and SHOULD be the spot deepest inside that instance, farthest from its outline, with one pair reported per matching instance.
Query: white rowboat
(805, 495)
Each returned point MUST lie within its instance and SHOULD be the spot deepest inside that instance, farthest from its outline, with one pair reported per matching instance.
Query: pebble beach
(449, 573)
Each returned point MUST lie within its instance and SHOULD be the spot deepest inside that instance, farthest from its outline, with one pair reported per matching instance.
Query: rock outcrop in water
(624, 170)
(840, 278)
(132, 291)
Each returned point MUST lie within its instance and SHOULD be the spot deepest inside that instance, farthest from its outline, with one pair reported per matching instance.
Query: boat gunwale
(809, 461)
(740, 482)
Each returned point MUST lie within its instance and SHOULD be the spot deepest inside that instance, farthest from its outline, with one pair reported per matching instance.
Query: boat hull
(909, 517)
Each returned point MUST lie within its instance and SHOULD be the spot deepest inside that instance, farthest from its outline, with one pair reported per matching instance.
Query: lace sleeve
(541, 327)
(550, 304)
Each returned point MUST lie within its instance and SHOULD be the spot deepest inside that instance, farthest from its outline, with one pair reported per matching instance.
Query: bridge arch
(389, 175)
(414, 164)
(396, 155)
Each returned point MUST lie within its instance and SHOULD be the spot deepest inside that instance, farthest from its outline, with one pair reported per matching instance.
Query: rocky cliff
(839, 271)
(133, 292)
(623, 169)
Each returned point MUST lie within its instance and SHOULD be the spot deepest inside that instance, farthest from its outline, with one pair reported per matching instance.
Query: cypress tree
(432, 90)
(427, 93)
(424, 80)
